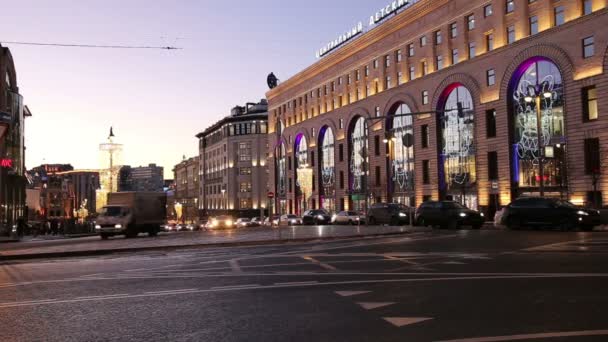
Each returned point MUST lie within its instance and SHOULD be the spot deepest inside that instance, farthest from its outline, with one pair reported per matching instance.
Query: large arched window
(358, 155)
(402, 154)
(328, 168)
(537, 90)
(301, 151)
(281, 169)
(458, 153)
(304, 174)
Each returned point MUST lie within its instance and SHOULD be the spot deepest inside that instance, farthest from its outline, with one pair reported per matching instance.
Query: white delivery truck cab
(131, 213)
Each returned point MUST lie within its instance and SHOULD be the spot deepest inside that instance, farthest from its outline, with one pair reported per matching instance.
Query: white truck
(131, 213)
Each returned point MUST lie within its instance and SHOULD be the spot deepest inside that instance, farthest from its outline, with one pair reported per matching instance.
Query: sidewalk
(222, 238)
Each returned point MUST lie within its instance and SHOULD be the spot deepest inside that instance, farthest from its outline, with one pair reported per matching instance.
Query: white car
(348, 217)
(290, 220)
(243, 223)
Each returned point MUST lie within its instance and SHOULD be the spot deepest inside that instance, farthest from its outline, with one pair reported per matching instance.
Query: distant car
(549, 212)
(170, 227)
(316, 217)
(257, 221)
(395, 214)
(272, 221)
(348, 217)
(448, 214)
(182, 227)
(243, 223)
(290, 220)
(222, 222)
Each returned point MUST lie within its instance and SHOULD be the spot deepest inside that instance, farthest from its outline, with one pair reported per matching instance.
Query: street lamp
(535, 96)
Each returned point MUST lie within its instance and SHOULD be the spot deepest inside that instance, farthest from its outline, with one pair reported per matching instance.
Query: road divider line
(101, 297)
(533, 336)
(234, 265)
(229, 287)
(298, 283)
(321, 264)
(171, 291)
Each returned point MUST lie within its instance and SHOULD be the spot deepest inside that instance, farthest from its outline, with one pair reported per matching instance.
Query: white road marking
(101, 297)
(533, 336)
(298, 283)
(403, 321)
(454, 263)
(351, 293)
(236, 287)
(321, 264)
(374, 305)
(234, 265)
(171, 291)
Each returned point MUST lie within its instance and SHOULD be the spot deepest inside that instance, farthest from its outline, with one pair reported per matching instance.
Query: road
(487, 285)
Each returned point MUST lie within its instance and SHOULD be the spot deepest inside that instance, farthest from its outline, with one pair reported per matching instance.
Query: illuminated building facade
(186, 194)
(505, 89)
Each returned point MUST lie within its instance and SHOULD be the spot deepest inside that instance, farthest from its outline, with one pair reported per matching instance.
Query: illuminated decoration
(403, 149)
(304, 177)
(6, 163)
(305, 181)
(179, 210)
(341, 40)
(391, 8)
(358, 155)
(457, 160)
(82, 212)
(538, 83)
(110, 154)
(282, 169)
(327, 154)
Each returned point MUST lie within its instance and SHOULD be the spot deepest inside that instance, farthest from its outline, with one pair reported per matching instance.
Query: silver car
(348, 217)
(290, 220)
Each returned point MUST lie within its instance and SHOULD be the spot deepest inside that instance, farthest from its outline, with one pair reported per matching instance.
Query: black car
(448, 214)
(316, 217)
(549, 212)
(388, 213)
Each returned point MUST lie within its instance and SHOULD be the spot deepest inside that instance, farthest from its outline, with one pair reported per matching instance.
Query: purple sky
(156, 100)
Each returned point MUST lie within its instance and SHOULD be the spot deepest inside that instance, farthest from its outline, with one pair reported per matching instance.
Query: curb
(100, 252)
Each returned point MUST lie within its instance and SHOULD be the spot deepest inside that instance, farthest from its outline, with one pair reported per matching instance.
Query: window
(490, 123)
(588, 47)
(438, 38)
(592, 156)
(487, 11)
(426, 169)
(366, 70)
(375, 63)
(531, 1)
(244, 152)
(244, 171)
(377, 145)
(453, 30)
(425, 97)
(387, 61)
(245, 187)
(341, 179)
(339, 83)
(410, 50)
(510, 34)
(387, 83)
(489, 41)
(510, 6)
(425, 67)
(491, 77)
(558, 16)
(492, 166)
(471, 50)
(587, 7)
(378, 176)
(313, 132)
(590, 103)
(470, 22)
(424, 141)
(412, 73)
(454, 56)
(358, 75)
(377, 111)
(439, 62)
(533, 25)
(399, 78)
(341, 152)
(245, 203)
(399, 56)
(423, 41)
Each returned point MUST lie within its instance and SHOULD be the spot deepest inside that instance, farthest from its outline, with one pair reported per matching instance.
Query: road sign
(270, 194)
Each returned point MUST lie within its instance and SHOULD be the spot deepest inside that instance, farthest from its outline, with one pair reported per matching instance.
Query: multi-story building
(478, 73)
(233, 169)
(12, 149)
(186, 195)
(143, 178)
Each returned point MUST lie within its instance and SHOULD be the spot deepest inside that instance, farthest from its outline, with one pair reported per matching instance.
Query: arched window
(402, 154)
(358, 155)
(282, 169)
(327, 167)
(458, 153)
(301, 151)
(537, 90)
(304, 174)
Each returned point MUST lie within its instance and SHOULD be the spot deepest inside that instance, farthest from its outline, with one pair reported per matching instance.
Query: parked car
(316, 217)
(243, 223)
(223, 221)
(257, 221)
(448, 214)
(170, 227)
(388, 213)
(549, 212)
(290, 220)
(348, 217)
(272, 221)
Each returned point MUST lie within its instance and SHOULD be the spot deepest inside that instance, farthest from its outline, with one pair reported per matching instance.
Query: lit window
(490, 42)
(399, 78)
(423, 41)
(388, 84)
(425, 97)
(511, 34)
(399, 56)
(491, 77)
(410, 50)
(471, 50)
(453, 30)
(438, 38)
(439, 62)
(471, 22)
(375, 64)
(590, 111)
(487, 11)
(425, 68)
(510, 6)
(387, 61)
(412, 73)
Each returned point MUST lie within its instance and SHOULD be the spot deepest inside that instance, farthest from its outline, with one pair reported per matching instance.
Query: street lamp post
(535, 96)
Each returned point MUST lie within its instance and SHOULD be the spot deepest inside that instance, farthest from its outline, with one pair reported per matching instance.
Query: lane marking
(374, 305)
(171, 291)
(298, 283)
(100, 297)
(350, 293)
(454, 263)
(403, 321)
(234, 265)
(533, 336)
(236, 287)
(321, 264)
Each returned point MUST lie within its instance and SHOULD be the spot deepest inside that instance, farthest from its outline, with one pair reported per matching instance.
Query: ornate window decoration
(403, 150)
(282, 169)
(328, 164)
(358, 154)
(538, 86)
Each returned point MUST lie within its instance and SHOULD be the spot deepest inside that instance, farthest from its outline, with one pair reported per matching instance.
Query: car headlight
(582, 213)
(402, 214)
(333, 218)
(463, 215)
(118, 226)
(229, 223)
(320, 217)
(482, 215)
(14, 228)
(98, 227)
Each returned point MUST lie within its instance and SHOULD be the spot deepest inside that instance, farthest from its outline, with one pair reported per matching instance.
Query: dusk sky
(157, 100)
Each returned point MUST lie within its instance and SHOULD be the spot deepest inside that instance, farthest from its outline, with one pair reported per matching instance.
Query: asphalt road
(430, 286)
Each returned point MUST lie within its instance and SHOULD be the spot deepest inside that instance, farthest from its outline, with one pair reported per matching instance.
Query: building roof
(251, 111)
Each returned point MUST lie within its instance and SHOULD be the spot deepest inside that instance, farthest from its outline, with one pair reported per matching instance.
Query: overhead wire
(93, 45)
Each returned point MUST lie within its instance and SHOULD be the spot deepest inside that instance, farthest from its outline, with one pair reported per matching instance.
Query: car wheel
(105, 236)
